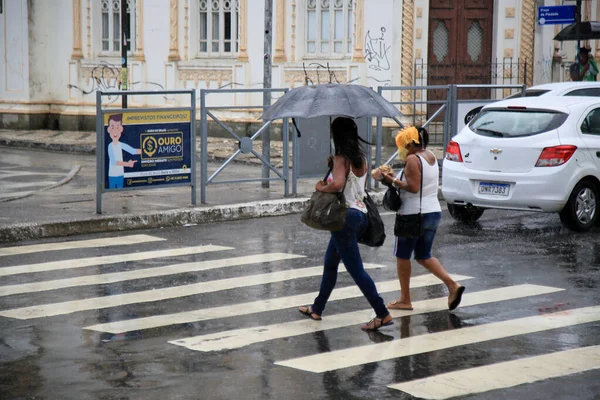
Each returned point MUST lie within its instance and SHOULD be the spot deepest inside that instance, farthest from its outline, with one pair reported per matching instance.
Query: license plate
(498, 189)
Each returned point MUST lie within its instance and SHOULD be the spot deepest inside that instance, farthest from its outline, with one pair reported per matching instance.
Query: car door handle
(598, 154)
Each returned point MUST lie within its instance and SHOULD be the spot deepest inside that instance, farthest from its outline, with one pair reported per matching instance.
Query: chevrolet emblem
(495, 151)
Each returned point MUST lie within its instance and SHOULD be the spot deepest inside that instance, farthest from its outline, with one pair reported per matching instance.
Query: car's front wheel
(464, 213)
(581, 211)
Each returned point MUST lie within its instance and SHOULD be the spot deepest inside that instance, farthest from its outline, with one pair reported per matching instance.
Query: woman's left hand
(320, 185)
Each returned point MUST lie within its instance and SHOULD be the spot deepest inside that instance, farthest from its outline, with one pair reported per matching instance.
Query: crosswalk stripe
(442, 340)
(254, 307)
(237, 338)
(104, 260)
(93, 303)
(503, 375)
(79, 244)
(145, 273)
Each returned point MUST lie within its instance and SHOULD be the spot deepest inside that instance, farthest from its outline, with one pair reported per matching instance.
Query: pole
(124, 48)
(578, 24)
(266, 136)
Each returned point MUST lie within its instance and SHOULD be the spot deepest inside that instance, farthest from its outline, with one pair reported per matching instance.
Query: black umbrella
(331, 99)
(588, 30)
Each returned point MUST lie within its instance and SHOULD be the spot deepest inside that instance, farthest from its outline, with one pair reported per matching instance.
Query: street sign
(556, 15)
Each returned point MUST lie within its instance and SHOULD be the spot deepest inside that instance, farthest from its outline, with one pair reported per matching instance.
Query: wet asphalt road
(55, 357)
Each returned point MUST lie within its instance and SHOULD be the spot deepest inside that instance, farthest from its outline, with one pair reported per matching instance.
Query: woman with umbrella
(349, 175)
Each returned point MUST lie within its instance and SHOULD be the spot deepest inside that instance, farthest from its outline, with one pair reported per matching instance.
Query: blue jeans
(421, 246)
(343, 246)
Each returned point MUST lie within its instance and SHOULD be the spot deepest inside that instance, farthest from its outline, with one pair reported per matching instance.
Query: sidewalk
(68, 206)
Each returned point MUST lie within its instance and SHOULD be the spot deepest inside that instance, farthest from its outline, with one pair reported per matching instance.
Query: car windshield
(529, 93)
(516, 123)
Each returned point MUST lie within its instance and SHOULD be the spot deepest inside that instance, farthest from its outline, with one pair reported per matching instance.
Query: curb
(162, 219)
(170, 218)
(67, 148)
(74, 171)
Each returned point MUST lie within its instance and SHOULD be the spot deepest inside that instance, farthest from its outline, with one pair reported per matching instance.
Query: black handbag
(411, 226)
(326, 211)
(391, 198)
(374, 235)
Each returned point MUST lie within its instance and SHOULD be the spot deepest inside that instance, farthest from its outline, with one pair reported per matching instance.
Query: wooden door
(460, 46)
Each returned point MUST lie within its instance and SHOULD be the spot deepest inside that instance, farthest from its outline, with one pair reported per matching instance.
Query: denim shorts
(421, 246)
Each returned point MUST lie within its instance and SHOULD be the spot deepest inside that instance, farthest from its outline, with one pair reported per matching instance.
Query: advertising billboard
(147, 148)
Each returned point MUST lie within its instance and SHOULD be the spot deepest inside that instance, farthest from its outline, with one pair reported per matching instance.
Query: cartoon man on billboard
(116, 170)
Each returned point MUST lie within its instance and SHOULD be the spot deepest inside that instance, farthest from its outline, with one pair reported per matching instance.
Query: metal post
(99, 152)
(124, 48)
(193, 144)
(578, 25)
(378, 137)
(295, 161)
(203, 146)
(286, 156)
(266, 137)
(370, 152)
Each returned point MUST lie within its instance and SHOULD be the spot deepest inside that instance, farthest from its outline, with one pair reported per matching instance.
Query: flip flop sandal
(372, 324)
(454, 304)
(309, 313)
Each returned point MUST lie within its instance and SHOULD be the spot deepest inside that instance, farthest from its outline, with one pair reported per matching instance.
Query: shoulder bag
(374, 235)
(326, 211)
(391, 198)
(411, 226)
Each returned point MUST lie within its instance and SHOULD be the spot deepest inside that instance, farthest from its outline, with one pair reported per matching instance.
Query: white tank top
(354, 192)
(430, 202)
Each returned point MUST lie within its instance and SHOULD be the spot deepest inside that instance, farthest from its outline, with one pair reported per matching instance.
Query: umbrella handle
(296, 126)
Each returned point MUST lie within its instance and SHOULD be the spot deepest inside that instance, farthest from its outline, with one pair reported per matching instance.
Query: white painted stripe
(104, 260)
(442, 340)
(68, 307)
(148, 273)
(254, 307)
(503, 375)
(79, 244)
(237, 338)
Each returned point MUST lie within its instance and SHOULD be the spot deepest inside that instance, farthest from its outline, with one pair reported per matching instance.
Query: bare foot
(399, 305)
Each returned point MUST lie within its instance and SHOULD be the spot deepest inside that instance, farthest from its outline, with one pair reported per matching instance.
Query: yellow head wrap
(404, 138)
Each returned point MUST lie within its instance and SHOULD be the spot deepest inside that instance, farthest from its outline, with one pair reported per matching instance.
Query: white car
(528, 153)
(591, 89)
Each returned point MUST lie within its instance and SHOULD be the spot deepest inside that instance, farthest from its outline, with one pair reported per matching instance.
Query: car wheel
(581, 211)
(464, 213)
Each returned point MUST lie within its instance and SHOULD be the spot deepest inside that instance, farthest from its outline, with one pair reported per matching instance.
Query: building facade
(58, 53)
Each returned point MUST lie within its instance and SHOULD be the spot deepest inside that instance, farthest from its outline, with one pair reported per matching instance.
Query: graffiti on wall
(376, 51)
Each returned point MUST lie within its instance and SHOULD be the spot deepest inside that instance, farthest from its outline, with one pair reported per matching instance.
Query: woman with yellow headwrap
(418, 187)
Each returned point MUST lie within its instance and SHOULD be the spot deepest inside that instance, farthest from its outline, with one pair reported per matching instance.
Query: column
(139, 37)
(408, 23)
(77, 53)
(243, 54)
(526, 46)
(173, 33)
(359, 31)
(279, 55)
